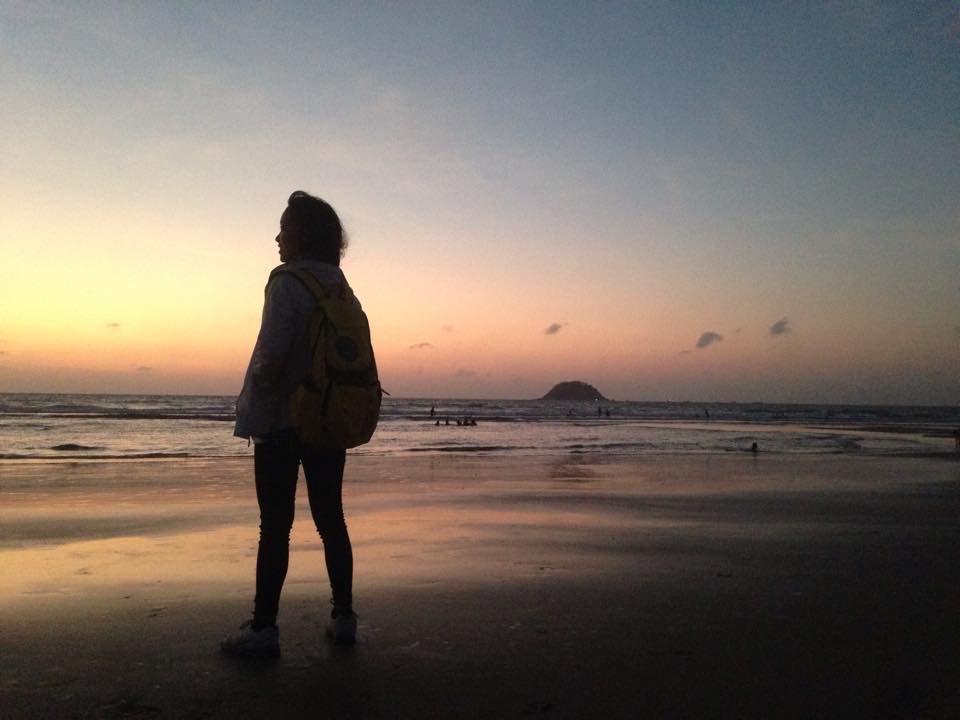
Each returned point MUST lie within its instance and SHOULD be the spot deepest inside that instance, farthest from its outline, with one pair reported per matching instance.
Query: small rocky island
(574, 391)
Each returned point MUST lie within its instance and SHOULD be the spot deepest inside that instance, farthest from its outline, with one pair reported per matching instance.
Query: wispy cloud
(113, 325)
(4, 352)
(553, 328)
(780, 327)
(708, 338)
(423, 346)
(144, 369)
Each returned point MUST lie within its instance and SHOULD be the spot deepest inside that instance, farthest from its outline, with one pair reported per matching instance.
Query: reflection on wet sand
(503, 586)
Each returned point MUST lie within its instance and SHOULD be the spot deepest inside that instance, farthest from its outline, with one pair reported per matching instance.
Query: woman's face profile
(288, 238)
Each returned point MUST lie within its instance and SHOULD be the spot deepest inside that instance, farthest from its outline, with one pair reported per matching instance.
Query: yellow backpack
(338, 404)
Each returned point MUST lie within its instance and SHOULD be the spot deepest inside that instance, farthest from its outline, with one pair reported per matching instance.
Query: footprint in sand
(536, 708)
(125, 709)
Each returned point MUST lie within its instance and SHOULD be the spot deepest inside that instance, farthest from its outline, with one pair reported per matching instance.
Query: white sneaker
(343, 627)
(264, 642)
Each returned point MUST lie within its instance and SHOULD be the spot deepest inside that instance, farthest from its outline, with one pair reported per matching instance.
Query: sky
(696, 201)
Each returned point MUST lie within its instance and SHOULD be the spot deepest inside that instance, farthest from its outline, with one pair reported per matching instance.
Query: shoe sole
(341, 639)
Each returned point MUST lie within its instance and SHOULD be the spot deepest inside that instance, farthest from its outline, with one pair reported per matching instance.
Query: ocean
(57, 427)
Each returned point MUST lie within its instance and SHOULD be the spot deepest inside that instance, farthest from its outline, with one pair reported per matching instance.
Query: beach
(488, 586)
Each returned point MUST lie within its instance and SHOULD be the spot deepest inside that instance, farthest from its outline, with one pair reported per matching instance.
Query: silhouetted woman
(312, 239)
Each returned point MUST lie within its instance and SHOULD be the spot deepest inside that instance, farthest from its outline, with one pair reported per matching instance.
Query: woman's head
(310, 228)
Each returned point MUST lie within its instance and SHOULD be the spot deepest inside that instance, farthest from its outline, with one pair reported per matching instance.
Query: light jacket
(281, 357)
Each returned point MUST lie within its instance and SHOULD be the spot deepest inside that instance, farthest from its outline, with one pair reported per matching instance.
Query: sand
(493, 587)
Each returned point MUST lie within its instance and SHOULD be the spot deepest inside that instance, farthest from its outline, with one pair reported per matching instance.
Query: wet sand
(491, 587)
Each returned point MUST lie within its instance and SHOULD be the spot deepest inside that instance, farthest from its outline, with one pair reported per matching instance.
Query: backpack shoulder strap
(306, 279)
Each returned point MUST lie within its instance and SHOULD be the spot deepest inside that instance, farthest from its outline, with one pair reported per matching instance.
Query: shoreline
(97, 428)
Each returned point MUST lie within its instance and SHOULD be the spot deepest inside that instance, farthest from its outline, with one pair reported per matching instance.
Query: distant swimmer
(706, 414)
(437, 423)
(433, 411)
(753, 448)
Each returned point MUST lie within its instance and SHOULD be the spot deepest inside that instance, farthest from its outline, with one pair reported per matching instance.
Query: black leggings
(275, 467)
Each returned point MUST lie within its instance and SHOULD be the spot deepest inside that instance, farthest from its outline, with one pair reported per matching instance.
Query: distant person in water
(311, 239)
